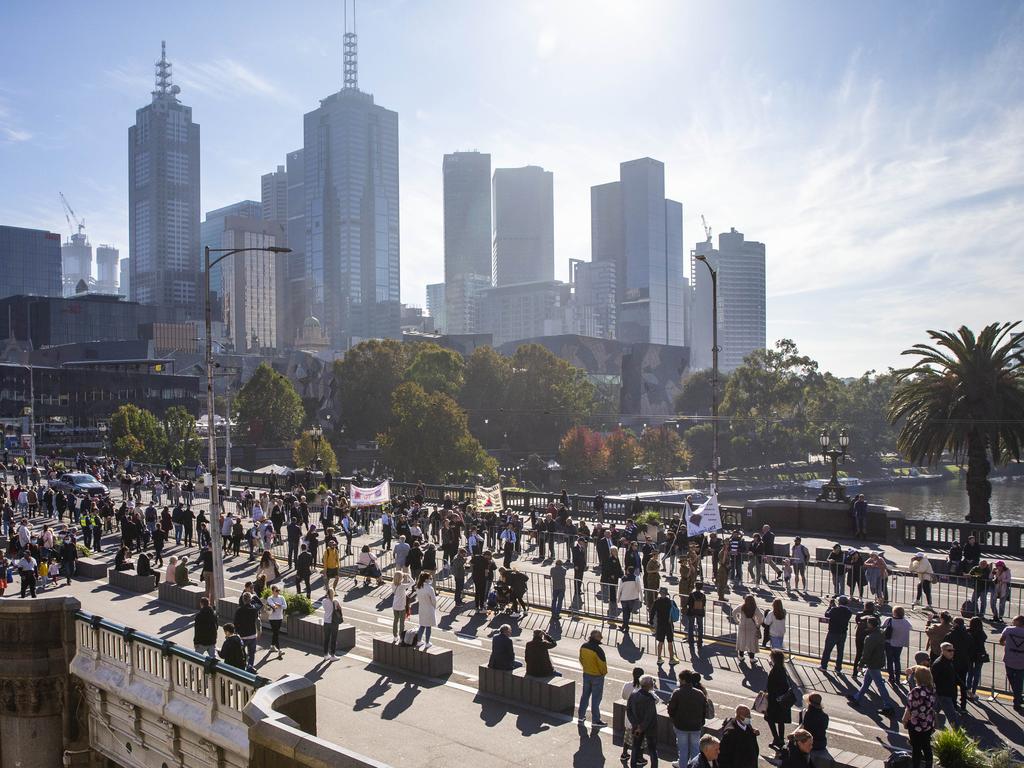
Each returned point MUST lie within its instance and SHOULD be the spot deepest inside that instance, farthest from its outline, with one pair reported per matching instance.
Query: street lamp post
(714, 368)
(316, 434)
(215, 541)
(833, 490)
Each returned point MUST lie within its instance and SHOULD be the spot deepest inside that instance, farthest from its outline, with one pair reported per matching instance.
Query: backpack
(492, 600)
(673, 613)
(899, 759)
(408, 638)
(967, 609)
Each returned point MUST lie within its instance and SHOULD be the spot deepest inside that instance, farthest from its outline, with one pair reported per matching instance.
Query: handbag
(787, 699)
(760, 703)
(709, 708)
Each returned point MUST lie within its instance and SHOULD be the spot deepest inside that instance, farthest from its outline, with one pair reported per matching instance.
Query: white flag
(488, 499)
(369, 497)
(707, 518)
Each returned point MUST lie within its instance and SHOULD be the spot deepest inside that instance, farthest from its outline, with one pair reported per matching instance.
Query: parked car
(78, 483)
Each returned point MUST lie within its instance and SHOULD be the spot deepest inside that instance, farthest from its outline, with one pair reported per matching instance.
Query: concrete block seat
(309, 631)
(666, 732)
(555, 694)
(183, 597)
(432, 662)
(131, 581)
(91, 568)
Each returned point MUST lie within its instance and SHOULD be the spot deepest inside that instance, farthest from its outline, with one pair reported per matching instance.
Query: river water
(947, 501)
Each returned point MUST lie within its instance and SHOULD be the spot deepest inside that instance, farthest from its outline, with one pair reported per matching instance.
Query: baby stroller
(499, 600)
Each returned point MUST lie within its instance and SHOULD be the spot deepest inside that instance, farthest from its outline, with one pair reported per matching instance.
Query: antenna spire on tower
(351, 51)
(163, 74)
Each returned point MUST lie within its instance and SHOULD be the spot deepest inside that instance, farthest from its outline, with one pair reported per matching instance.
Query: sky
(876, 148)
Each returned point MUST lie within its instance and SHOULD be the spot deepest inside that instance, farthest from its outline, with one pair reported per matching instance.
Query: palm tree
(964, 395)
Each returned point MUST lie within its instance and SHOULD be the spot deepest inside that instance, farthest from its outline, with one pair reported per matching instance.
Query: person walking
(247, 621)
(231, 650)
(896, 631)
(304, 569)
(748, 627)
(919, 717)
(945, 676)
(642, 714)
(595, 669)
(979, 657)
(28, 569)
(1012, 640)
(780, 700)
(814, 719)
(859, 633)
(426, 599)
(628, 689)
(838, 615)
(662, 614)
(775, 620)
(687, 708)
(873, 659)
(739, 741)
(710, 749)
(204, 629)
(332, 620)
(963, 654)
(276, 605)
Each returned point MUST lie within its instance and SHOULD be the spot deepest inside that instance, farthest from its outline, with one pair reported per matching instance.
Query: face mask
(742, 721)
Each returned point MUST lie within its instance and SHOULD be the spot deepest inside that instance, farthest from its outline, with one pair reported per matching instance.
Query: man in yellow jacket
(595, 668)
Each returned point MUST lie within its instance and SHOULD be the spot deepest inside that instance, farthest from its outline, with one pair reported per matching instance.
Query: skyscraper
(163, 198)
(296, 305)
(211, 233)
(635, 226)
(30, 262)
(250, 285)
(106, 269)
(741, 300)
(274, 195)
(436, 306)
(76, 260)
(524, 226)
(351, 193)
(467, 237)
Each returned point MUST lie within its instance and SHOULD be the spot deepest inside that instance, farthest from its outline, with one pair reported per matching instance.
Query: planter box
(131, 581)
(309, 631)
(556, 694)
(91, 568)
(433, 662)
(185, 597)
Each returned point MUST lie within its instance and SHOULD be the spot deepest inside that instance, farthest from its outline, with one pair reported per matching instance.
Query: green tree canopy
(436, 369)
(365, 380)
(485, 393)
(429, 438)
(269, 409)
(663, 451)
(137, 433)
(304, 453)
(623, 453)
(965, 395)
(182, 439)
(582, 454)
(694, 399)
(546, 396)
(699, 442)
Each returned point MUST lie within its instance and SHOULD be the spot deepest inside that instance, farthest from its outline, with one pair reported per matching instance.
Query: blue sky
(877, 148)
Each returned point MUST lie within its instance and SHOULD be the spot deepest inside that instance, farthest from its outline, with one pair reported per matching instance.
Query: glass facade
(524, 228)
(30, 262)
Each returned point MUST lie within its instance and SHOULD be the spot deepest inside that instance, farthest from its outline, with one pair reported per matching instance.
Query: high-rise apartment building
(594, 285)
(250, 284)
(107, 257)
(351, 204)
(525, 310)
(124, 278)
(30, 262)
(637, 228)
(76, 261)
(741, 301)
(524, 228)
(467, 237)
(274, 195)
(211, 233)
(436, 307)
(163, 199)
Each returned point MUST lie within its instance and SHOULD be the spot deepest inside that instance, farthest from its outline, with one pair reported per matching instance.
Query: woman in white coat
(427, 599)
(400, 585)
(921, 565)
(748, 627)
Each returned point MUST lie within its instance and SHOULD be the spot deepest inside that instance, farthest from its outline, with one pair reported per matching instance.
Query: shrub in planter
(298, 605)
(83, 551)
(955, 749)
(648, 518)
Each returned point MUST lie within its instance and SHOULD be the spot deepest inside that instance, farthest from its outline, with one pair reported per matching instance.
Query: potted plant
(650, 521)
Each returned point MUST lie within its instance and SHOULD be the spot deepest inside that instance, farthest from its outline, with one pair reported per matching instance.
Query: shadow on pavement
(406, 696)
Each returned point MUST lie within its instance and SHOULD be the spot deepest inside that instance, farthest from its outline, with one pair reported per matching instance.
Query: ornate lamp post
(833, 490)
(316, 434)
(714, 367)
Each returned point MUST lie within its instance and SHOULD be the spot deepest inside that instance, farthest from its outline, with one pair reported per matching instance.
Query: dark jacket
(503, 653)
(792, 757)
(815, 720)
(686, 708)
(873, 656)
(538, 660)
(700, 761)
(642, 711)
(739, 746)
(233, 652)
(246, 620)
(304, 563)
(945, 677)
(778, 686)
(205, 628)
(838, 619)
(963, 645)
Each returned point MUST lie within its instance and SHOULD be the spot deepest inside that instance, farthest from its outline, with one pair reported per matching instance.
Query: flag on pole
(707, 518)
(488, 498)
(369, 497)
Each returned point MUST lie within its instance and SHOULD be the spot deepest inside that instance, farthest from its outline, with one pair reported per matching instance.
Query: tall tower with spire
(351, 194)
(163, 198)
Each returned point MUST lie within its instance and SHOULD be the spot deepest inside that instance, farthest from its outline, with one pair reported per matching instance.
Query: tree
(182, 438)
(436, 369)
(965, 395)
(663, 451)
(694, 399)
(699, 442)
(582, 454)
(429, 438)
(484, 394)
(546, 396)
(623, 453)
(269, 409)
(305, 451)
(137, 433)
(365, 380)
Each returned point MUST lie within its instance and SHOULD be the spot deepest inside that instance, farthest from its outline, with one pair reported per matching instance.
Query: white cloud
(10, 131)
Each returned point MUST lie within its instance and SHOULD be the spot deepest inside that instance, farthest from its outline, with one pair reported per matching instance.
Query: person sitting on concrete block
(503, 653)
(538, 660)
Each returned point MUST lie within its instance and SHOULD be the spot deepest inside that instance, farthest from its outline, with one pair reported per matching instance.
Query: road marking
(565, 661)
(469, 640)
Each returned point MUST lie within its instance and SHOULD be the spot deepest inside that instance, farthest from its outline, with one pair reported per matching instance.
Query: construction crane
(69, 214)
(707, 227)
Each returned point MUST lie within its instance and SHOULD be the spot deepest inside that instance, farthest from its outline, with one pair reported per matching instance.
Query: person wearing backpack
(665, 613)
(696, 603)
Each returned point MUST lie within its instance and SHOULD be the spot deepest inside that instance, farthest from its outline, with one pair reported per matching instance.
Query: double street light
(215, 539)
(714, 365)
(833, 490)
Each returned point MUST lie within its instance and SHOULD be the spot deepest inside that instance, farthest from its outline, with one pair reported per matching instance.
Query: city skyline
(909, 163)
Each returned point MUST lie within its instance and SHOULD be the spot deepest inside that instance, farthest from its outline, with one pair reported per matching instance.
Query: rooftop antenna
(163, 76)
(351, 51)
